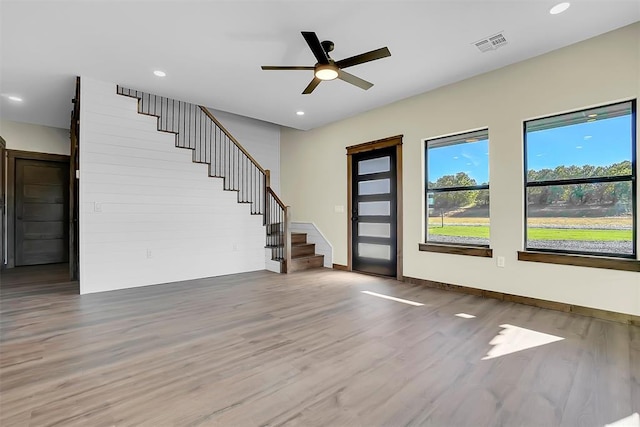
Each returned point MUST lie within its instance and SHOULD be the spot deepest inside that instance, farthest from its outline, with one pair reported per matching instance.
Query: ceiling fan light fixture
(326, 72)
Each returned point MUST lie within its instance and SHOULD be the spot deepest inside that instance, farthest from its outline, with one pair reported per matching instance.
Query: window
(457, 189)
(581, 182)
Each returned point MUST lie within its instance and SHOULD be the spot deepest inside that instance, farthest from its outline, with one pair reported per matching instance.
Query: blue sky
(598, 143)
(471, 158)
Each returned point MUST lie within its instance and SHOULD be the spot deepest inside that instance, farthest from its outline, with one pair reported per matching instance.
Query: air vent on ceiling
(491, 43)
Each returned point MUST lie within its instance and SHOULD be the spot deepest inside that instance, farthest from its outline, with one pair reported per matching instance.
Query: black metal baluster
(210, 143)
(251, 183)
(188, 124)
(280, 240)
(215, 148)
(226, 157)
(202, 132)
(180, 133)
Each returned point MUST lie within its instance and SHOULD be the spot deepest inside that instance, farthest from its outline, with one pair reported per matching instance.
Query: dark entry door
(41, 212)
(374, 211)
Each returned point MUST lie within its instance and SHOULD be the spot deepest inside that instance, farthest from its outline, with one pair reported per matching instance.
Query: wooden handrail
(235, 141)
(276, 198)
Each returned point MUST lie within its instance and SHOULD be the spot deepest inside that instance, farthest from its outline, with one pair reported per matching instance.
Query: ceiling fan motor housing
(328, 46)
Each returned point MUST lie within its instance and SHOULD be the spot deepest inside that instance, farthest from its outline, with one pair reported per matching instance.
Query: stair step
(298, 238)
(306, 263)
(302, 249)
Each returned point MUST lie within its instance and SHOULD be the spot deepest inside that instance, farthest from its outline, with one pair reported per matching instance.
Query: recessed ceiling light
(559, 8)
(159, 73)
(471, 140)
(300, 113)
(592, 115)
(14, 98)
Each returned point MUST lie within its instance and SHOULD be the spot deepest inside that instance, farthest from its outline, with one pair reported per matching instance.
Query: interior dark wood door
(41, 212)
(374, 212)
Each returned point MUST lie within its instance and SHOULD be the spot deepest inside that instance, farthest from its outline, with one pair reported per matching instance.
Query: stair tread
(307, 256)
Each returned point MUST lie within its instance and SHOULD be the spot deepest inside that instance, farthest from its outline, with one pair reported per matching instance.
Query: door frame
(3, 230)
(392, 141)
(74, 187)
(12, 156)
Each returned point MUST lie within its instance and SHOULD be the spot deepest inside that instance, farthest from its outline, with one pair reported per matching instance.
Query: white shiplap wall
(148, 214)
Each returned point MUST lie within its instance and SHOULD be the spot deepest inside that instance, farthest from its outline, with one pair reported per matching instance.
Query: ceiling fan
(328, 69)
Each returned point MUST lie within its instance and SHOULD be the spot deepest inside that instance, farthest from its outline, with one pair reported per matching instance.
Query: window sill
(456, 250)
(581, 260)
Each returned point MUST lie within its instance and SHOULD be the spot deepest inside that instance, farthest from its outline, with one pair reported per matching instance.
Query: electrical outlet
(235, 247)
(338, 209)
(501, 261)
(97, 207)
(149, 253)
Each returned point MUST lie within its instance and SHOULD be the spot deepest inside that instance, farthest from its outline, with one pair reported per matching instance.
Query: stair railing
(278, 217)
(197, 129)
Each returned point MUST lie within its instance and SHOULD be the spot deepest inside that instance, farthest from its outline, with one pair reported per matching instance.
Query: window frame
(432, 246)
(632, 178)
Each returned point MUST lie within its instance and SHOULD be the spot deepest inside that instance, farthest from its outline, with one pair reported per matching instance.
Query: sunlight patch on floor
(632, 420)
(514, 338)
(405, 301)
(466, 316)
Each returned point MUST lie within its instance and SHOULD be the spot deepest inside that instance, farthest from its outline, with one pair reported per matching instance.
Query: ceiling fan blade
(383, 52)
(357, 81)
(315, 46)
(314, 83)
(285, 67)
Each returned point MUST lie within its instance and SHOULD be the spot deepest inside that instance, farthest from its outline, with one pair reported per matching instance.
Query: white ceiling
(212, 50)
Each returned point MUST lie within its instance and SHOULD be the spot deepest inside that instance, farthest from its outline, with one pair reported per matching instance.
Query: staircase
(195, 128)
(303, 254)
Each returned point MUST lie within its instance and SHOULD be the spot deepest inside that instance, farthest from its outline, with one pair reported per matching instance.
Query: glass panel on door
(381, 164)
(376, 186)
(374, 230)
(369, 250)
(374, 208)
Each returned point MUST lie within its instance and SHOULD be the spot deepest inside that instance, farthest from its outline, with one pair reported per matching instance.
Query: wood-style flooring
(305, 349)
